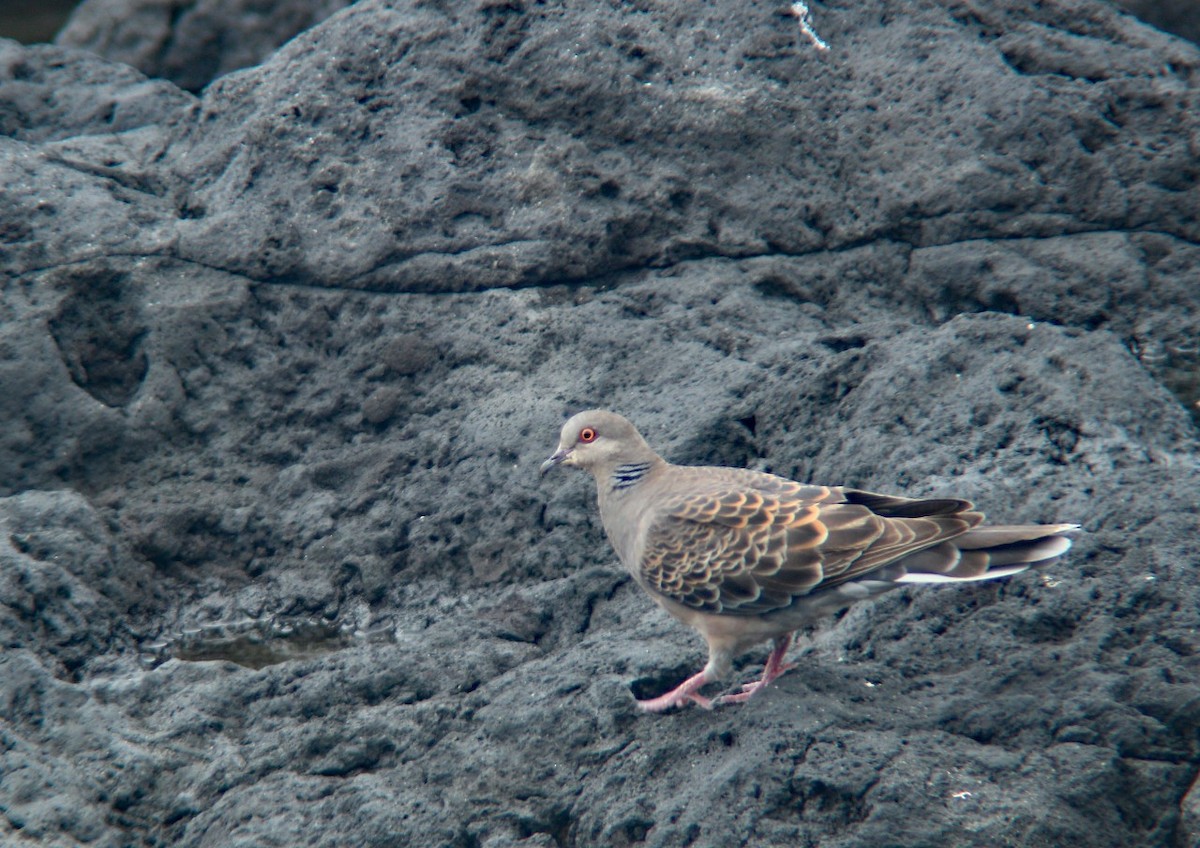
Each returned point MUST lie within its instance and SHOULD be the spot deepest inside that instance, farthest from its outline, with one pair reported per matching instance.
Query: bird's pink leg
(774, 668)
(688, 690)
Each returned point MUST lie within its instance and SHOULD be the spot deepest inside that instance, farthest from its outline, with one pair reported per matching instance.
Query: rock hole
(99, 332)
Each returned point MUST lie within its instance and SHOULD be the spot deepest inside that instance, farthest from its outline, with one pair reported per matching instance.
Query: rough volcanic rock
(1180, 17)
(280, 363)
(190, 42)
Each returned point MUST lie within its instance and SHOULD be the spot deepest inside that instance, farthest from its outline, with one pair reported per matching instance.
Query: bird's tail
(986, 553)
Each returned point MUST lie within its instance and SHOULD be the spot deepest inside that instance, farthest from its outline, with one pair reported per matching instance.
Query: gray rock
(280, 363)
(190, 42)
(1175, 16)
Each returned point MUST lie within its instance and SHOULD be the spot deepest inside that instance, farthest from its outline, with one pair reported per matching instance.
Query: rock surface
(281, 361)
(1179, 17)
(190, 42)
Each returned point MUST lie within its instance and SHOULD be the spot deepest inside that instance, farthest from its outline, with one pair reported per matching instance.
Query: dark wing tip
(890, 506)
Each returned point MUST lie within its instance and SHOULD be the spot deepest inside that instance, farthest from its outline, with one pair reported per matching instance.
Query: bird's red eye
(587, 434)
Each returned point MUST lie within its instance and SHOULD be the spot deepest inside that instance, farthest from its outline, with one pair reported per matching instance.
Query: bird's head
(598, 442)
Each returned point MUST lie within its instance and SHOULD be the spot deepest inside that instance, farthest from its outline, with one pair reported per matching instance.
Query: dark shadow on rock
(99, 329)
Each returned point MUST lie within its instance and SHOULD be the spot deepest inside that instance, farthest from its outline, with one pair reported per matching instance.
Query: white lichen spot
(801, 13)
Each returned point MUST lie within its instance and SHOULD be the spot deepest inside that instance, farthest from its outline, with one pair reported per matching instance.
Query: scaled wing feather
(750, 543)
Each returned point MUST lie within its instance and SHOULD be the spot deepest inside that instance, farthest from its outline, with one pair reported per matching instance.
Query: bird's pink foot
(688, 690)
(774, 669)
(749, 689)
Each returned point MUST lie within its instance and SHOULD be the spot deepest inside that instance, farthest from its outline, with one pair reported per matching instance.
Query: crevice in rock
(99, 331)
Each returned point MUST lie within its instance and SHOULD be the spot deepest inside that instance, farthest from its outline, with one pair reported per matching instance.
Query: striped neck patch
(624, 476)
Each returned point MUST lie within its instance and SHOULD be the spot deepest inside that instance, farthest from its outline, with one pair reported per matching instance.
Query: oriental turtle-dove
(744, 556)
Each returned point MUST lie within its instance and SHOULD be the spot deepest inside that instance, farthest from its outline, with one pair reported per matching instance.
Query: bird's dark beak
(554, 460)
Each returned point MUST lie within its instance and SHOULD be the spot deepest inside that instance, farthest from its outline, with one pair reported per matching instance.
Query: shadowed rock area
(190, 42)
(280, 362)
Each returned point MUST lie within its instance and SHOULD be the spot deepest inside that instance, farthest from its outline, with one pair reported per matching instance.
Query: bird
(746, 557)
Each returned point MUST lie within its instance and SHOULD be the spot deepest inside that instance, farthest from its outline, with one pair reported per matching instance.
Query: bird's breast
(624, 516)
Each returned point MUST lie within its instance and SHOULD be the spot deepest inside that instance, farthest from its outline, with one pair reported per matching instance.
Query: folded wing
(746, 543)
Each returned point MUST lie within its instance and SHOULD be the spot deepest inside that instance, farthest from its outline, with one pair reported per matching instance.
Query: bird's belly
(730, 633)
